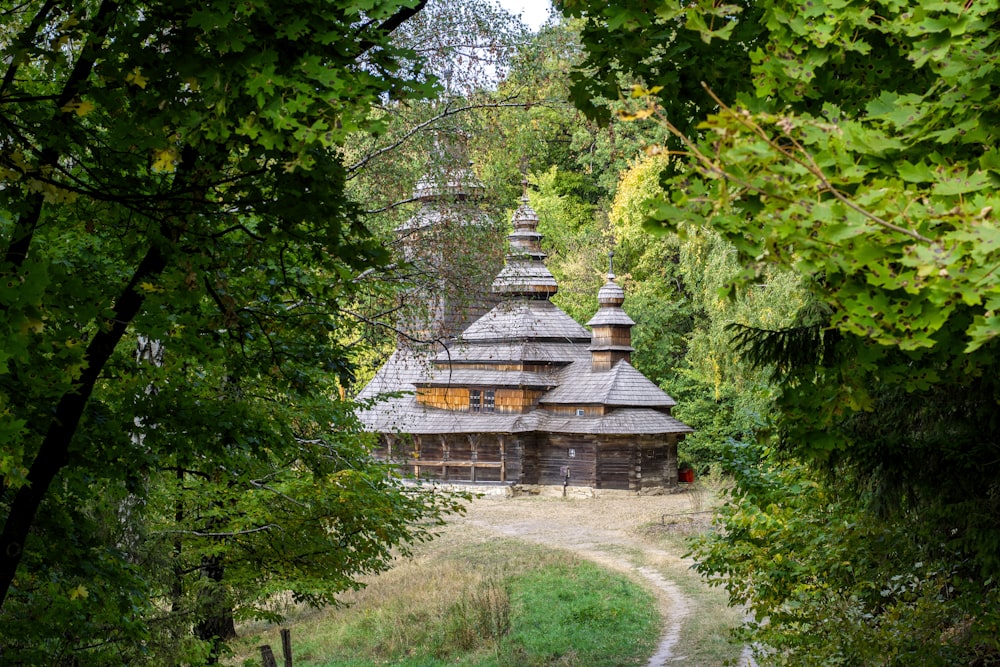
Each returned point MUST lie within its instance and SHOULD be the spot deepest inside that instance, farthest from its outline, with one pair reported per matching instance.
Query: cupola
(525, 274)
(611, 327)
(452, 246)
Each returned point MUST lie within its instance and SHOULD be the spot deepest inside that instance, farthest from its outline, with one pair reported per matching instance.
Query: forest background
(800, 200)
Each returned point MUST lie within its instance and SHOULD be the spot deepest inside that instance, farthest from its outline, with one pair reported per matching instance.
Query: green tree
(684, 338)
(173, 171)
(858, 150)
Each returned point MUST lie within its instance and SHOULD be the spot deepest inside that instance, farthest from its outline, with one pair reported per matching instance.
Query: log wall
(601, 462)
(603, 360)
(616, 463)
(527, 444)
(578, 453)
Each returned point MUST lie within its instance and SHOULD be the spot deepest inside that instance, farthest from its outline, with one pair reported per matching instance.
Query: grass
(706, 636)
(502, 603)
(472, 599)
(581, 615)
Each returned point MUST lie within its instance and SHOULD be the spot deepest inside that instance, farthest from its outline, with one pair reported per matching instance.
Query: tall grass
(481, 617)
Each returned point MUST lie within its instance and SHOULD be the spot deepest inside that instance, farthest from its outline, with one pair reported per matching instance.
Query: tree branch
(810, 164)
(448, 111)
(386, 28)
(24, 230)
(53, 453)
(22, 42)
(389, 207)
(235, 533)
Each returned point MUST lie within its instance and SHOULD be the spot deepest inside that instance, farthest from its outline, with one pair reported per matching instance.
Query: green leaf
(962, 182)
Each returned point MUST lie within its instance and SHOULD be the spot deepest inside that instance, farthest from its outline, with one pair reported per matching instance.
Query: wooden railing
(417, 464)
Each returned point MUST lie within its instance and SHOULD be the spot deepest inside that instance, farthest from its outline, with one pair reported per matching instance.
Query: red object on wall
(685, 475)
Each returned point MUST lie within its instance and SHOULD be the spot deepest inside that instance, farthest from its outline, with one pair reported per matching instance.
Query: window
(482, 400)
(580, 412)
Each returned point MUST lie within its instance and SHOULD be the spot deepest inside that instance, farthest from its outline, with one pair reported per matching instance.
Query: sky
(533, 12)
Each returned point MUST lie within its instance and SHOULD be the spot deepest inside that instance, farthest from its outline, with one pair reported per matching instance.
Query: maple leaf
(137, 78)
(165, 160)
(80, 107)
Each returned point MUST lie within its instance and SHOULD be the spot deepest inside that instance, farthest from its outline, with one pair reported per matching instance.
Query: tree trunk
(52, 455)
(217, 624)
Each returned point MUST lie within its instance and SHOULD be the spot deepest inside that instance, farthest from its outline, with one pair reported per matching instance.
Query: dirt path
(606, 530)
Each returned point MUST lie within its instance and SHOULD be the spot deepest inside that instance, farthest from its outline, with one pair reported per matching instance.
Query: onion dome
(610, 299)
(525, 273)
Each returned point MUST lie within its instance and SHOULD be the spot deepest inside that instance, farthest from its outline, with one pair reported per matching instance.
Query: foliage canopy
(855, 145)
(171, 171)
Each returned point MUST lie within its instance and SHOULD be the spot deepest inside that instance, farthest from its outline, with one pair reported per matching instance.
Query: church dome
(525, 273)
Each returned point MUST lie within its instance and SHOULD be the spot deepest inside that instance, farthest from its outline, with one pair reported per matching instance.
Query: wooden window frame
(482, 400)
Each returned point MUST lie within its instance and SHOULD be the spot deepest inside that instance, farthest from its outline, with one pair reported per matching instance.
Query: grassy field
(504, 603)
(474, 598)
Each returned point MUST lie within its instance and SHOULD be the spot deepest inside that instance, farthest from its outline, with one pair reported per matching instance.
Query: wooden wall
(469, 457)
(651, 463)
(603, 360)
(601, 462)
(611, 335)
(456, 399)
(588, 410)
(445, 398)
(517, 401)
(527, 444)
(541, 367)
(616, 461)
(576, 452)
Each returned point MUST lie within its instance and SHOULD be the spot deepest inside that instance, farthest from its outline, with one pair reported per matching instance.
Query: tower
(611, 327)
(451, 248)
(525, 274)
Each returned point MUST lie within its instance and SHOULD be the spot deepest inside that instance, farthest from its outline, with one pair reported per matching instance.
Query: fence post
(286, 646)
(267, 656)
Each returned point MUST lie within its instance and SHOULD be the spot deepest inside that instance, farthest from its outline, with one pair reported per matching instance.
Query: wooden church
(512, 390)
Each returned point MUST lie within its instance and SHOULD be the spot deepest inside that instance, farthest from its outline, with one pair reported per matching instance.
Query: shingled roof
(525, 342)
(524, 320)
(622, 386)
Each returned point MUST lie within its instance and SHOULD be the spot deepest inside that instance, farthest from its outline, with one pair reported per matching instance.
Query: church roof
(402, 414)
(456, 376)
(633, 403)
(525, 319)
(529, 351)
(622, 386)
(528, 343)
(401, 370)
